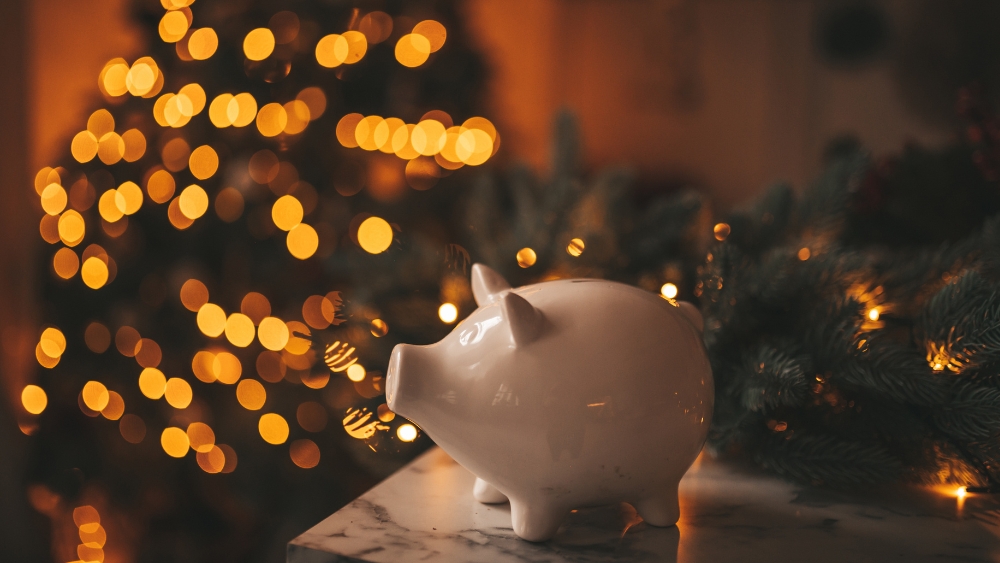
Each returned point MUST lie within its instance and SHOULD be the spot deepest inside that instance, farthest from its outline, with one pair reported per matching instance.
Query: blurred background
(719, 98)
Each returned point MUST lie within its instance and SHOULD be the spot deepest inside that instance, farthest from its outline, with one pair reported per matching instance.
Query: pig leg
(536, 520)
(486, 493)
(660, 510)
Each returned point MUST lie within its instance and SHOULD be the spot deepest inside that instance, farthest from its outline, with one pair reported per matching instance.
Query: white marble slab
(425, 512)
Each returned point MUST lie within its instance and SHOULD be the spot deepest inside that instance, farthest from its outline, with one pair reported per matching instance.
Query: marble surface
(425, 512)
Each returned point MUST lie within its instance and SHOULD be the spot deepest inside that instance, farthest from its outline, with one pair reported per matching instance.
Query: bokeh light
(273, 333)
(273, 428)
(251, 394)
(239, 330)
(33, 399)
(407, 432)
(178, 393)
(526, 257)
(302, 241)
(152, 383)
(258, 44)
(174, 442)
(412, 50)
(448, 313)
(375, 235)
(669, 290)
(575, 247)
(211, 320)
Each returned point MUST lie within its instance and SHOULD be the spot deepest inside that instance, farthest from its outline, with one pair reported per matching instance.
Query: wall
(724, 94)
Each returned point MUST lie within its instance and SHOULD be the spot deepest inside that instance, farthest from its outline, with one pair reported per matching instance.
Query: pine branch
(972, 414)
(772, 378)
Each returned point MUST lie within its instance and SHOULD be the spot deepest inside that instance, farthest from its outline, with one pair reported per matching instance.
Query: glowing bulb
(447, 312)
(804, 254)
(526, 257)
(961, 492)
(407, 432)
(721, 231)
(356, 372)
(375, 235)
(668, 290)
(873, 314)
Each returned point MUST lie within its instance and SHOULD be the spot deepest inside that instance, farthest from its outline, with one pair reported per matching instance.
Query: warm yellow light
(54, 199)
(575, 247)
(53, 342)
(175, 442)
(213, 461)
(721, 231)
(526, 257)
(44, 359)
(95, 396)
(364, 133)
(242, 109)
(356, 372)
(273, 428)
(100, 123)
(804, 253)
(298, 117)
(302, 241)
(251, 394)
(160, 186)
(873, 314)
(115, 407)
(407, 432)
(201, 437)
(448, 313)
(271, 120)
(94, 272)
(140, 78)
(71, 227)
(84, 146)
(428, 137)
(112, 78)
(255, 306)
(135, 145)
(203, 43)
(346, 128)
(173, 26)
(178, 393)
(375, 235)
(227, 368)
(194, 94)
(668, 290)
(412, 50)
(239, 330)
(218, 110)
(65, 263)
(128, 198)
(286, 212)
(152, 383)
(961, 492)
(435, 33)
(385, 131)
(273, 333)
(258, 44)
(473, 147)
(357, 46)
(34, 399)
(193, 295)
(211, 320)
(193, 201)
(110, 148)
(332, 50)
(203, 162)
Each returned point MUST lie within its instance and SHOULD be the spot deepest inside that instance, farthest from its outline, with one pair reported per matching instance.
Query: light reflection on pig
(562, 395)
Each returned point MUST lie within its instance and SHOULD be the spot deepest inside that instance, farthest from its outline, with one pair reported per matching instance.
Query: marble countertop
(425, 512)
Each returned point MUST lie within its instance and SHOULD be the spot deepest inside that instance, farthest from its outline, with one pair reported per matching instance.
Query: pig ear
(524, 320)
(486, 284)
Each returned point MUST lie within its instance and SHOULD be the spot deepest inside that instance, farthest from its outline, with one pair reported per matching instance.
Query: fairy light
(668, 290)
(448, 313)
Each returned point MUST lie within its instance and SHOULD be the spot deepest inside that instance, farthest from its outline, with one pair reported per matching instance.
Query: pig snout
(410, 368)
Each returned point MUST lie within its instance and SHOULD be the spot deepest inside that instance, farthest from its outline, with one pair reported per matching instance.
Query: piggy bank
(562, 395)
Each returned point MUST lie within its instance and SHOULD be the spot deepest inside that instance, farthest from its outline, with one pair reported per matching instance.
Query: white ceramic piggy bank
(562, 395)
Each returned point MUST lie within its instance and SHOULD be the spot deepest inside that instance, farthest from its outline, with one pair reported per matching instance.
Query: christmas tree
(852, 330)
(235, 249)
